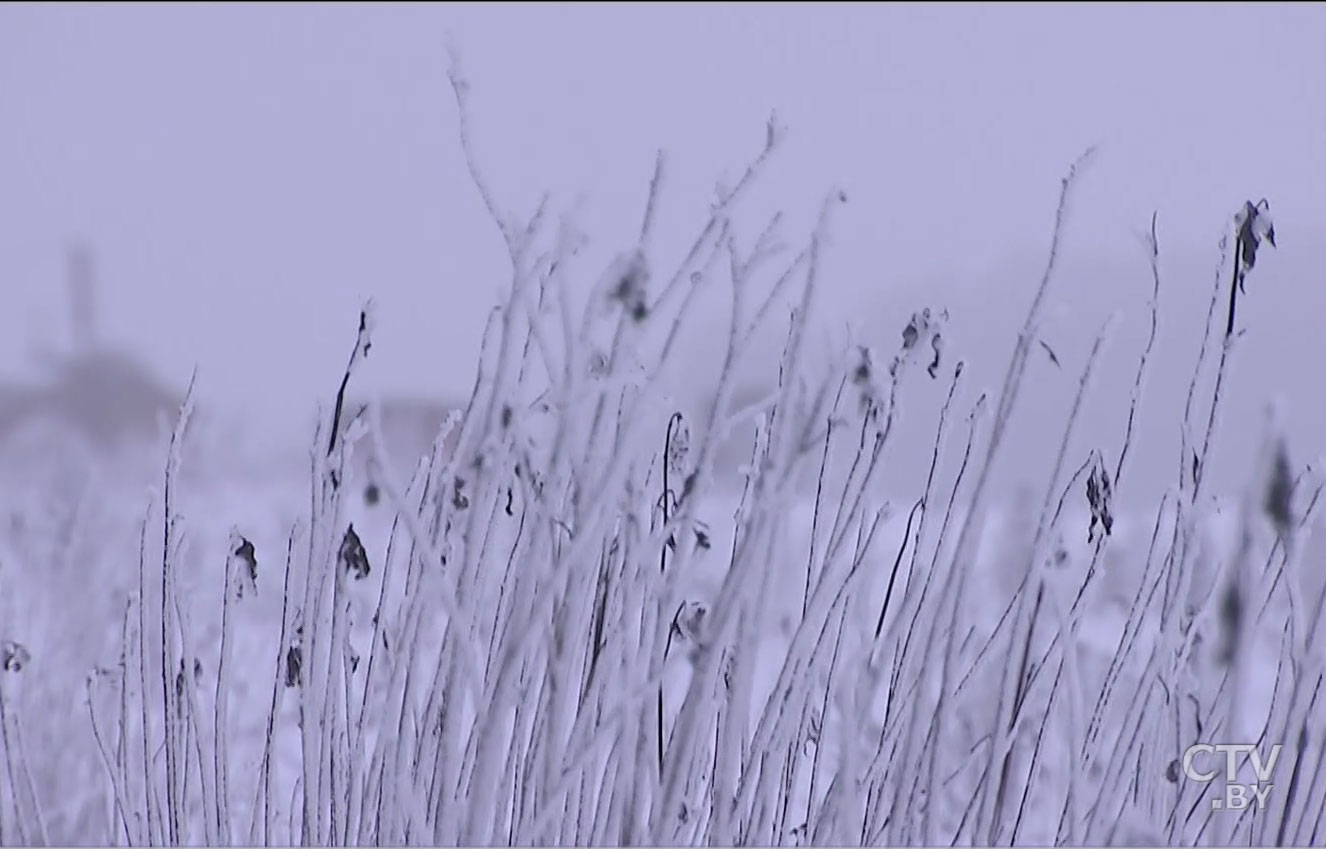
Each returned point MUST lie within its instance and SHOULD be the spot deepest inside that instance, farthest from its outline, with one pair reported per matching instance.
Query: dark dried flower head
(679, 445)
(629, 288)
(352, 554)
(365, 330)
(701, 539)
(246, 553)
(294, 661)
(861, 374)
(1231, 623)
(14, 656)
(1099, 499)
(1254, 226)
(242, 550)
(689, 622)
(1278, 499)
(863, 378)
(294, 658)
(910, 334)
(923, 327)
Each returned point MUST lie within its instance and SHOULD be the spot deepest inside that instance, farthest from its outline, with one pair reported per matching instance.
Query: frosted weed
(574, 623)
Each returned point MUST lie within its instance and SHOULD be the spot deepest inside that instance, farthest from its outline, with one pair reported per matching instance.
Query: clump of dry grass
(522, 663)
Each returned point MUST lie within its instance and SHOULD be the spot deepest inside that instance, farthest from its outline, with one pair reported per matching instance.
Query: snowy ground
(69, 566)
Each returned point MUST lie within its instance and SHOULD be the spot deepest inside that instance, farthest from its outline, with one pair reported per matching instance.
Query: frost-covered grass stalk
(523, 662)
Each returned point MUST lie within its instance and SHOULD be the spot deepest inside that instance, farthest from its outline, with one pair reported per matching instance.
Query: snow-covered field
(68, 584)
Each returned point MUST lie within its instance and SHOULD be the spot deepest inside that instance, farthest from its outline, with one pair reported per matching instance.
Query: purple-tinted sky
(247, 174)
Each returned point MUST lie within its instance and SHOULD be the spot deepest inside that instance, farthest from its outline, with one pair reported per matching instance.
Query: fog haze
(247, 175)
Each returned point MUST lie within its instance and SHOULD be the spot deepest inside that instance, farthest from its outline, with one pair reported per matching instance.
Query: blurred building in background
(91, 404)
(87, 399)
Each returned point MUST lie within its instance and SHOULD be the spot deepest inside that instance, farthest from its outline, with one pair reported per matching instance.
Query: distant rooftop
(105, 395)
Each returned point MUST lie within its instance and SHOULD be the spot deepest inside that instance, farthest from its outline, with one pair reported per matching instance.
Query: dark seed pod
(180, 679)
(701, 539)
(1231, 623)
(14, 655)
(353, 556)
(242, 548)
(1099, 498)
(294, 661)
(1277, 501)
(910, 333)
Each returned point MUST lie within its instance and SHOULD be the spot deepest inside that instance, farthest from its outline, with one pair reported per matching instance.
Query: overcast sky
(248, 174)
